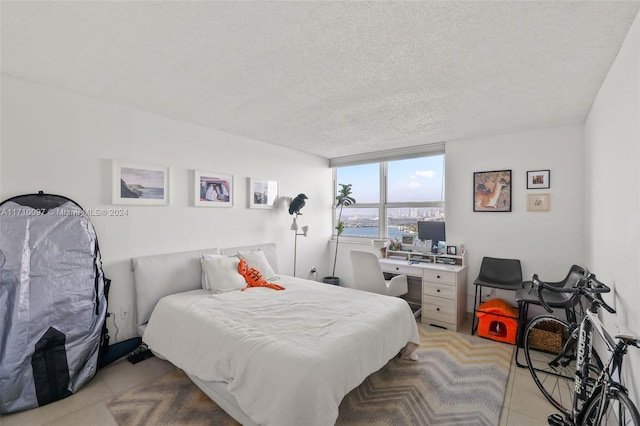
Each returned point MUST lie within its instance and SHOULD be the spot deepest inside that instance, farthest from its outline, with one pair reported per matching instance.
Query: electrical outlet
(125, 312)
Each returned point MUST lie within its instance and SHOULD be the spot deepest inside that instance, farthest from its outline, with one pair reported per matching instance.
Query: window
(392, 196)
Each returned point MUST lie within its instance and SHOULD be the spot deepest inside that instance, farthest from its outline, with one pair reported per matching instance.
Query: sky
(412, 180)
(144, 177)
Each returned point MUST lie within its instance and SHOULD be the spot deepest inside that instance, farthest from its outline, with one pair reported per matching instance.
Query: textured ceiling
(327, 78)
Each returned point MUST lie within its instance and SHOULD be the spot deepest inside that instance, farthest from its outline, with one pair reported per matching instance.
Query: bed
(268, 357)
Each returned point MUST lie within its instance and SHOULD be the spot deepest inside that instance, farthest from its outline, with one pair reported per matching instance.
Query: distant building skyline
(366, 222)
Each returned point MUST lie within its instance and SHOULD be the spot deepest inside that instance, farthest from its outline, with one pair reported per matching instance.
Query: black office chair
(567, 301)
(502, 274)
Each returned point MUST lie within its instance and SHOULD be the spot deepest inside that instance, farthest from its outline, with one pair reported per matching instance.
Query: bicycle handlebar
(588, 286)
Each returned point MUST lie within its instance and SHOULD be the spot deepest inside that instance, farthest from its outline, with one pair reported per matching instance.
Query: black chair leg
(476, 303)
(523, 314)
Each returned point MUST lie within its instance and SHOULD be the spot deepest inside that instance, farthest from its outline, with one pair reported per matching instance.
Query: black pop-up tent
(52, 300)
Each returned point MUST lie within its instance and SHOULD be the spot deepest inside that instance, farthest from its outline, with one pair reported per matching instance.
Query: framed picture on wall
(263, 193)
(538, 202)
(139, 184)
(538, 179)
(212, 189)
(492, 191)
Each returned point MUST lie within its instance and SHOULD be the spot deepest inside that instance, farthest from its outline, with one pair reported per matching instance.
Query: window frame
(384, 205)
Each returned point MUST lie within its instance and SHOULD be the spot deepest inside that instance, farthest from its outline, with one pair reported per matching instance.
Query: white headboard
(160, 275)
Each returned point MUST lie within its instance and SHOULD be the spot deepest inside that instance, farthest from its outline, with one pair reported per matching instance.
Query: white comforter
(289, 357)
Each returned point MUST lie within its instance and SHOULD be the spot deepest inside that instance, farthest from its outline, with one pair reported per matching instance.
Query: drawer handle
(437, 309)
(397, 269)
(438, 290)
(438, 276)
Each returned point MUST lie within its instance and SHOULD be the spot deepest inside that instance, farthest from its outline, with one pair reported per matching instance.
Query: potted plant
(343, 198)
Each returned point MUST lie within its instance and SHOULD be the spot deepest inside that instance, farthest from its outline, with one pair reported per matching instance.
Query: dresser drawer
(443, 277)
(439, 309)
(401, 269)
(439, 290)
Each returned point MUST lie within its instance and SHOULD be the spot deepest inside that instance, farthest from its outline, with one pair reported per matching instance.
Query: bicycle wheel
(551, 357)
(617, 410)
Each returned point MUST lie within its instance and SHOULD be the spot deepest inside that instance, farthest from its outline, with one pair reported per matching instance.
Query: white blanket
(290, 356)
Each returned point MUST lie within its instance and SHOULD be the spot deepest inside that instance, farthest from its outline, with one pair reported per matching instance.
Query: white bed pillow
(257, 259)
(204, 282)
(222, 273)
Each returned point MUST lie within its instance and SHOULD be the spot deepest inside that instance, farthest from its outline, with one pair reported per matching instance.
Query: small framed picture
(452, 250)
(263, 193)
(408, 240)
(212, 189)
(538, 202)
(139, 184)
(538, 179)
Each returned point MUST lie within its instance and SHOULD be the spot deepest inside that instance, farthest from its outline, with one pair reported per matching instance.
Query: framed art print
(139, 184)
(538, 202)
(492, 191)
(263, 193)
(212, 189)
(538, 179)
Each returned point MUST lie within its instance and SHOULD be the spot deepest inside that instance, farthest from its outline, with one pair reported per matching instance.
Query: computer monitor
(432, 230)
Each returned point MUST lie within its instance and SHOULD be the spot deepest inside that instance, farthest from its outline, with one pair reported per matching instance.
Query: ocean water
(372, 232)
(152, 193)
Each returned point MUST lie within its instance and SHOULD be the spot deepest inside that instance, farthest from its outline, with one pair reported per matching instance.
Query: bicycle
(570, 375)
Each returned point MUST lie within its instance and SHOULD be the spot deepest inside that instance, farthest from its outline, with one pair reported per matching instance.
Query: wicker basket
(547, 336)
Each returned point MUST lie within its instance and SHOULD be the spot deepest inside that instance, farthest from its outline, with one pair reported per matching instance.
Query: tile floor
(523, 405)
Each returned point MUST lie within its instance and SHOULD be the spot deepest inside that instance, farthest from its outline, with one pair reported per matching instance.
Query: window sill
(353, 240)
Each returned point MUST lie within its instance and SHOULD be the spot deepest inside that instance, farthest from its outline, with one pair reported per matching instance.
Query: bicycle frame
(590, 323)
(592, 393)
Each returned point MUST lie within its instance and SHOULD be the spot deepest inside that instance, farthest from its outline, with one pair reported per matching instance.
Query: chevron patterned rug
(458, 380)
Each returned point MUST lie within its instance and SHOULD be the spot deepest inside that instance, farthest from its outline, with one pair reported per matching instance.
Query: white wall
(612, 133)
(64, 144)
(547, 243)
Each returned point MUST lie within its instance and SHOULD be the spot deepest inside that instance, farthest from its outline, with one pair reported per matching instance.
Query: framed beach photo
(538, 179)
(212, 189)
(263, 193)
(139, 184)
(492, 191)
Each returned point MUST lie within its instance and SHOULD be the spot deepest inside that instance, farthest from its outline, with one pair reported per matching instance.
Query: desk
(444, 290)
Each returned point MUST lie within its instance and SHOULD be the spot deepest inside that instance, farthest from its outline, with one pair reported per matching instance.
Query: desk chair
(565, 301)
(502, 274)
(368, 276)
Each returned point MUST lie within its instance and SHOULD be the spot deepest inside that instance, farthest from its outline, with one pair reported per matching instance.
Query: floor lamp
(295, 228)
